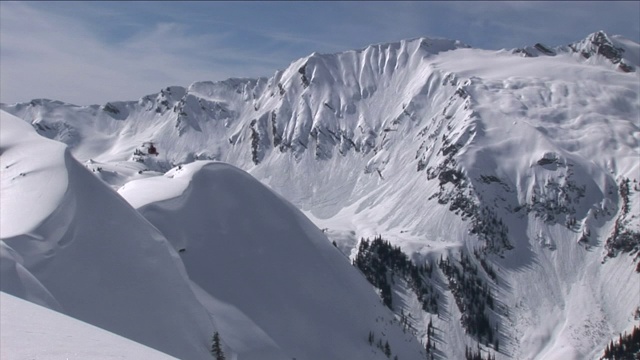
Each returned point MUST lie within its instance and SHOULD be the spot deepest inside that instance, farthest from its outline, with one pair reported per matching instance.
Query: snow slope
(71, 243)
(30, 331)
(94, 258)
(248, 247)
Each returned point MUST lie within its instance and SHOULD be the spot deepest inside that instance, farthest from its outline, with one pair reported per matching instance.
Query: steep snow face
(72, 243)
(247, 246)
(59, 336)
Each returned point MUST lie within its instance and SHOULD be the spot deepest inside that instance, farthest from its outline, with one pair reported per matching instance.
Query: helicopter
(151, 149)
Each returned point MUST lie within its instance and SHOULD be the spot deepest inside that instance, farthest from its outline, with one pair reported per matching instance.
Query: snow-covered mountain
(258, 272)
(598, 48)
(522, 163)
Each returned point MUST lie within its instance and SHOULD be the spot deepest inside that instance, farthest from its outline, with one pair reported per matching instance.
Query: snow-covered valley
(509, 179)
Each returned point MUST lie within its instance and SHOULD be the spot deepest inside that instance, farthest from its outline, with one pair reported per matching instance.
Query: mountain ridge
(530, 161)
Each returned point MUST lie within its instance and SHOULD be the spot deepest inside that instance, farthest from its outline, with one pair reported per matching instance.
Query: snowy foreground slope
(72, 244)
(257, 271)
(519, 166)
(250, 248)
(29, 331)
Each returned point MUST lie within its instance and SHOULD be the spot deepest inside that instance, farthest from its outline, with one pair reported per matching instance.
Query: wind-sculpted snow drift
(248, 247)
(72, 244)
(263, 275)
(524, 161)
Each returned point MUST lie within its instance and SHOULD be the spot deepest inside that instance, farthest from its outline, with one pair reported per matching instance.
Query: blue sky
(94, 52)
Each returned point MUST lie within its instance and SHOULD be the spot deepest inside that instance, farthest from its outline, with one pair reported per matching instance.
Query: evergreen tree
(383, 263)
(472, 296)
(216, 347)
(627, 347)
(387, 349)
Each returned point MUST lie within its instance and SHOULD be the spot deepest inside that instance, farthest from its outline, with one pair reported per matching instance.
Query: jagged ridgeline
(374, 114)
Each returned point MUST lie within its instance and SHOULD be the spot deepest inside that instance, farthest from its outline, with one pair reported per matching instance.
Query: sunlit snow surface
(92, 257)
(351, 139)
(257, 271)
(248, 247)
(29, 331)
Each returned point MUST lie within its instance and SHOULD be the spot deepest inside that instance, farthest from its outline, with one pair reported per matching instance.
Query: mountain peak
(613, 48)
(598, 43)
(610, 49)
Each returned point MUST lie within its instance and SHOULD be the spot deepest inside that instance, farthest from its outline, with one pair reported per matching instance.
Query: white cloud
(61, 57)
